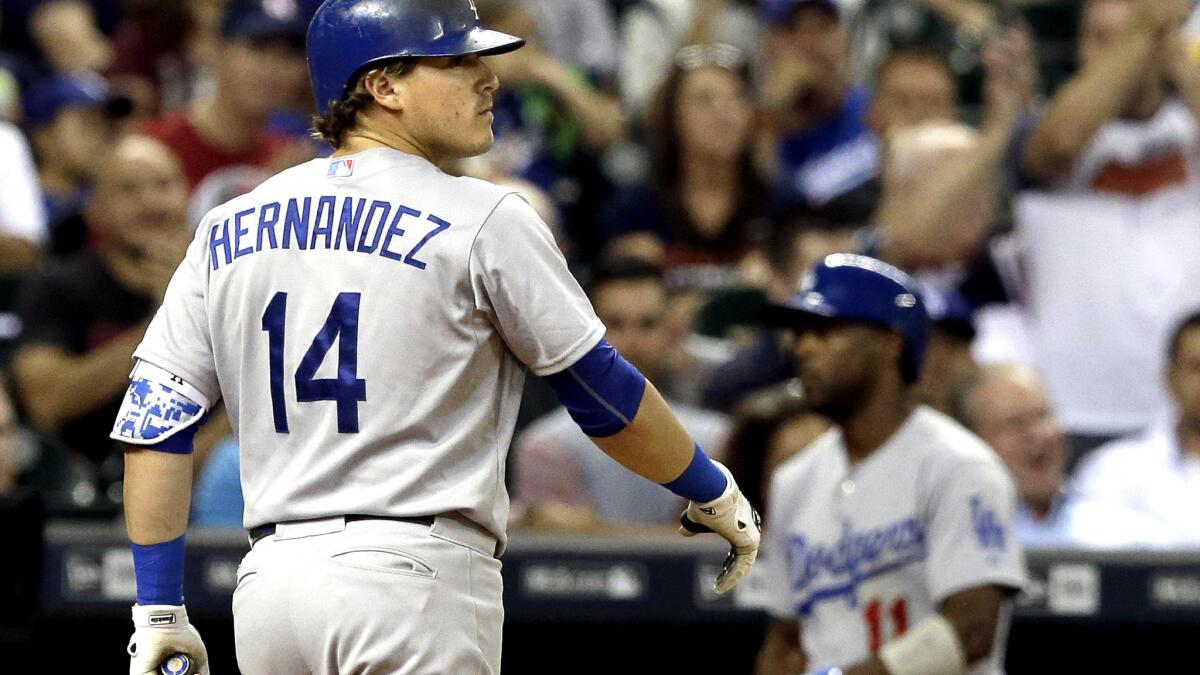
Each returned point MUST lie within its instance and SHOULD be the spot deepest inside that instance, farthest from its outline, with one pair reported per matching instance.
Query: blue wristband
(701, 481)
(158, 569)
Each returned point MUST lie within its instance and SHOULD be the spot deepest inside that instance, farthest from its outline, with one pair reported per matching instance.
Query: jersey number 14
(346, 389)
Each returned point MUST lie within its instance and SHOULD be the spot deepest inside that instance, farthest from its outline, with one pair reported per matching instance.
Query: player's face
(1013, 416)
(1185, 377)
(635, 313)
(448, 107)
(840, 364)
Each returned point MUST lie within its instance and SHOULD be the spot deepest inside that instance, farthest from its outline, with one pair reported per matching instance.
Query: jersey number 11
(897, 613)
(346, 389)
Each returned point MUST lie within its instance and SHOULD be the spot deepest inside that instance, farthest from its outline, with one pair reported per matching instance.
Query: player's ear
(385, 88)
(891, 344)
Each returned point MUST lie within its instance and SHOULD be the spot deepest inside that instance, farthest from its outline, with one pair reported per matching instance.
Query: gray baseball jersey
(860, 553)
(368, 321)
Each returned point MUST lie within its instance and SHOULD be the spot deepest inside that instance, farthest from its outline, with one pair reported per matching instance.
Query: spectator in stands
(941, 177)
(73, 124)
(69, 37)
(912, 86)
(948, 361)
(652, 31)
(552, 124)
(1108, 219)
(1157, 474)
(84, 315)
(955, 27)
(559, 483)
(560, 25)
(598, 115)
(1006, 405)
(260, 62)
(154, 61)
(705, 206)
(22, 213)
(816, 141)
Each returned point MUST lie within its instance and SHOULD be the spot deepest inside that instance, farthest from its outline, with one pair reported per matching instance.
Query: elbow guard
(160, 411)
(602, 391)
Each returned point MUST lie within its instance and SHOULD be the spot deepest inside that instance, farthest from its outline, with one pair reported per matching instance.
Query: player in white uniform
(889, 546)
(368, 321)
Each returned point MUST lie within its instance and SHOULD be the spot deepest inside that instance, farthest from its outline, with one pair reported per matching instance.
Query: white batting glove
(732, 517)
(160, 632)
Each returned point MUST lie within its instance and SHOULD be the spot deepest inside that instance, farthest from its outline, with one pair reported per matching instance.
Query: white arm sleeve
(520, 279)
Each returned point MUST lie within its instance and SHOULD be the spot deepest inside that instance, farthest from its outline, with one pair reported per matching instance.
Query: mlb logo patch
(341, 168)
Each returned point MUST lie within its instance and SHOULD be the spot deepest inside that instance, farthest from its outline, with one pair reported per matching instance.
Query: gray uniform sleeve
(520, 280)
(970, 534)
(178, 338)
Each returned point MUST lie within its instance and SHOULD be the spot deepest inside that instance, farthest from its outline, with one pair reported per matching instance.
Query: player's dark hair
(1184, 325)
(627, 269)
(343, 115)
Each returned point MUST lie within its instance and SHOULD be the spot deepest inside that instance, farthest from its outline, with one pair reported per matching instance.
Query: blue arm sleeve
(602, 391)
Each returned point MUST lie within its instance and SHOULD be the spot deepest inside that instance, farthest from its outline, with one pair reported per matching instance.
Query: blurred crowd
(1034, 164)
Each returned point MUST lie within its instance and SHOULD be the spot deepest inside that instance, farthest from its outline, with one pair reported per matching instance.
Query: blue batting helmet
(347, 37)
(859, 288)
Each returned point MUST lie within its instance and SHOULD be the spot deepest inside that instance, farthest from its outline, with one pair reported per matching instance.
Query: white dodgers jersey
(859, 554)
(368, 321)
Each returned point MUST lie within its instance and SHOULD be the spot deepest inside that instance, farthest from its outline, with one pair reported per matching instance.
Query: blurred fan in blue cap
(782, 11)
(826, 156)
(264, 20)
(72, 123)
(948, 361)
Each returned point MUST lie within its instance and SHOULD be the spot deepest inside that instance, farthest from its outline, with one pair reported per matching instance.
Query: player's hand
(732, 517)
(159, 632)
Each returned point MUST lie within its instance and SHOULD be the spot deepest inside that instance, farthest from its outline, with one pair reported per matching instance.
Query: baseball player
(368, 321)
(889, 547)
